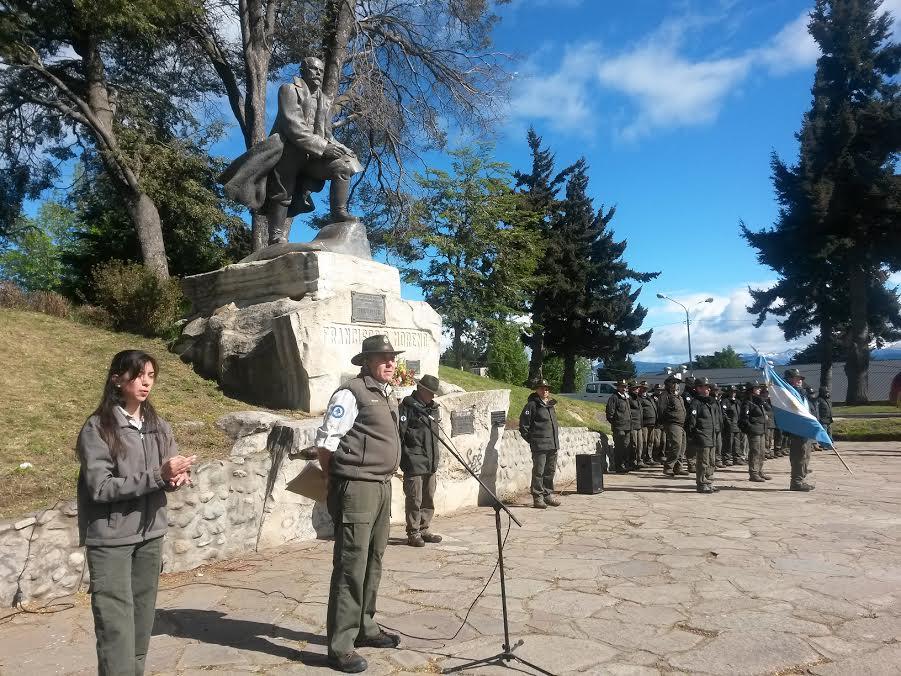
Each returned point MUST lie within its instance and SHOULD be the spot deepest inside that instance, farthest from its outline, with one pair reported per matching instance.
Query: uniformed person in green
(701, 428)
(619, 416)
(419, 420)
(648, 424)
(770, 451)
(658, 454)
(730, 409)
(635, 448)
(753, 422)
(359, 449)
(799, 447)
(718, 432)
(688, 395)
(538, 426)
(671, 414)
(824, 410)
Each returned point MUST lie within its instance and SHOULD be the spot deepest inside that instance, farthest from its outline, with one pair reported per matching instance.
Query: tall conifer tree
(837, 237)
(592, 310)
(541, 186)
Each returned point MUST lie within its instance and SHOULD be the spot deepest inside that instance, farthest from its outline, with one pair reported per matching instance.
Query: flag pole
(835, 450)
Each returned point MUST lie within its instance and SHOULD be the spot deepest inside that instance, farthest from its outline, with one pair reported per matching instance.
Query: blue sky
(677, 107)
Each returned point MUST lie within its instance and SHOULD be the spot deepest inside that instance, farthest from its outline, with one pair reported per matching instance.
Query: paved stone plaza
(648, 577)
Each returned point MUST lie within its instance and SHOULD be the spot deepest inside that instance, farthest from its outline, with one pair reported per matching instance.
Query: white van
(598, 390)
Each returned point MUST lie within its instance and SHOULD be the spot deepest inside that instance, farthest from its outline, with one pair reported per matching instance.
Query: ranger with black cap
(718, 440)
(799, 447)
(419, 420)
(824, 410)
(753, 422)
(635, 448)
(769, 450)
(688, 395)
(729, 407)
(619, 415)
(538, 426)
(671, 414)
(701, 427)
(648, 423)
(359, 449)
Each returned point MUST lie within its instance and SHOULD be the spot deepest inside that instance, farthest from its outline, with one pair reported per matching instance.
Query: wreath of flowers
(403, 376)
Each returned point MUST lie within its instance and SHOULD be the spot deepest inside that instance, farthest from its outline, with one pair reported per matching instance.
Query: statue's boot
(339, 194)
(279, 226)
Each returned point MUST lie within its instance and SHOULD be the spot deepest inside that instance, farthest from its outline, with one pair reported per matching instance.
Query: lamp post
(687, 323)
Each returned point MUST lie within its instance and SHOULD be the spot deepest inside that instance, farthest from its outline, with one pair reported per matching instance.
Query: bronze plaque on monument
(462, 422)
(367, 307)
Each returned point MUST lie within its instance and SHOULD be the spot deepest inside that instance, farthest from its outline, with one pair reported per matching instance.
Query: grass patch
(838, 411)
(51, 377)
(867, 429)
(570, 412)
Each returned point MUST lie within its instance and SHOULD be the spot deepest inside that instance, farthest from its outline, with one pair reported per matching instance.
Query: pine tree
(837, 236)
(480, 241)
(591, 308)
(541, 187)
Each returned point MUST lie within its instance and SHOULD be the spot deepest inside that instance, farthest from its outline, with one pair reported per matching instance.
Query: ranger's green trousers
(675, 445)
(361, 513)
(124, 583)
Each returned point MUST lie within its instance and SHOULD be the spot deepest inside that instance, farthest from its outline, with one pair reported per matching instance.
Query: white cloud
(791, 48)
(560, 98)
(669, 90)
(664, 87)
(714, 325)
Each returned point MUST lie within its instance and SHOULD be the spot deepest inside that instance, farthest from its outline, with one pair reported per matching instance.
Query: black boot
(339, 193)
(279, 225)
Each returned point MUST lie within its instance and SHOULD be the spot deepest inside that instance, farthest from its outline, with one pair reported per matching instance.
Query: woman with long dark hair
(128, 461)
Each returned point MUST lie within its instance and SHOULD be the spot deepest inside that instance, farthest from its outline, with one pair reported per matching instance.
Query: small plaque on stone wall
(498, 418)
(462, 422)
(367, 307)
(413, 365)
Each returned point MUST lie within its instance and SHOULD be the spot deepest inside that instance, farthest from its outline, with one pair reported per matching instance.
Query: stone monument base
(280, 332)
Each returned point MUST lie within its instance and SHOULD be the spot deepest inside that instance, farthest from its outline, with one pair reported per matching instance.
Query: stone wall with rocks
(242, 504)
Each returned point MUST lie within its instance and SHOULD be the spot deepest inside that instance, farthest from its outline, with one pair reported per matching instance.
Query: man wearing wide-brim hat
(619, 416)
(671, 414)
(359, 449)
(419, 420)
(538, 426)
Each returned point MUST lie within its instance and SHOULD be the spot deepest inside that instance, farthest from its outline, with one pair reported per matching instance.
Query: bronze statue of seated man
(277, 176)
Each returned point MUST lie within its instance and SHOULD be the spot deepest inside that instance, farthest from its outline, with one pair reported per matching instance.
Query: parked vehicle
(598, 390)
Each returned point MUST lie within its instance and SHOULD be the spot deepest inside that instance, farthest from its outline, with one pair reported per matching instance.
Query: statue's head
(312, 70)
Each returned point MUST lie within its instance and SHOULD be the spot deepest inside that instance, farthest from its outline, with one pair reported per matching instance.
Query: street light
(687, 322)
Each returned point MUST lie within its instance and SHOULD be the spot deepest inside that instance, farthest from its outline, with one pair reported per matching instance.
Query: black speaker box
(589, 473)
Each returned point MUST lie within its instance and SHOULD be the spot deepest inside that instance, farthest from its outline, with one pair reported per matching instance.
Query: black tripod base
(499, 660)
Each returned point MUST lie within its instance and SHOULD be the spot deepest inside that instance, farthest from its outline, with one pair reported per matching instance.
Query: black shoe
(757, 479)
(705, 488)
(351, 663)
(727, 463)
(801, 487)
(766, 477)
(680, 472)
(714, 489)
(432, 538)
(382, 640)
(415, 540)
(622, 470)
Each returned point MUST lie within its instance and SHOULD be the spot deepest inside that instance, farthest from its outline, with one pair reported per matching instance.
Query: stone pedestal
(281, 332)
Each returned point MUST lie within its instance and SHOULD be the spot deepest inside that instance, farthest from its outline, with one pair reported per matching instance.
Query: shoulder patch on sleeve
(337, 411)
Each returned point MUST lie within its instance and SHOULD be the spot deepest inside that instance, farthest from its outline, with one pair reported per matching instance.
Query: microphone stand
(506, 654)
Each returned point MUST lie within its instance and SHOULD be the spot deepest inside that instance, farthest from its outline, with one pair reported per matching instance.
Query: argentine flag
(790, 411)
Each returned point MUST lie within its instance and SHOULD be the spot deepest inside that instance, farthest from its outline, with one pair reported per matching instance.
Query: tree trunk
(536, 363)
(146, 219)
(827, 340)
(858, 364)
(569, 373)
(458, 347)
(259, 230)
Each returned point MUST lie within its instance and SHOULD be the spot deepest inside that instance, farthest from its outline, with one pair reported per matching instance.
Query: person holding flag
(795, 417)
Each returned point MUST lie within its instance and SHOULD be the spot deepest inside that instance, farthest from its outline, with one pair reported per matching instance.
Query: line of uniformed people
(702, 428)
